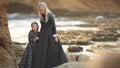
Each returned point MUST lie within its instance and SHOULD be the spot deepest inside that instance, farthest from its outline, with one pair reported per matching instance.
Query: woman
(49, 52)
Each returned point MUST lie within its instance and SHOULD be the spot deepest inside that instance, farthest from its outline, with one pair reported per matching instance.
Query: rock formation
(7, 53)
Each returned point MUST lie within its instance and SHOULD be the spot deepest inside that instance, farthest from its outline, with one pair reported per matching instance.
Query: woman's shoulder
(51, 15)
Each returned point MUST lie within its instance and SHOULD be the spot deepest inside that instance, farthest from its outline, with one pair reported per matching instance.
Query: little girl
(33, 34)
(26, 61)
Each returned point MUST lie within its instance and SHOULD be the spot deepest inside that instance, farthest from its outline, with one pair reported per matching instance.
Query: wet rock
(103, 46)
(104, 36)
(72, 65)
(72, 57)
(75, 37)
(74, 49)
(109, 29)
(83, 58)
(87, 25)
(77, 57)
(103, 49)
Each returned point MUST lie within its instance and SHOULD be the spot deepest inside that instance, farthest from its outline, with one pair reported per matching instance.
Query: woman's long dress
(48, 53)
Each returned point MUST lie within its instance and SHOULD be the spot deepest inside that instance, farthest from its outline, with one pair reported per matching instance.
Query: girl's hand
(36, 38)
(56, 39)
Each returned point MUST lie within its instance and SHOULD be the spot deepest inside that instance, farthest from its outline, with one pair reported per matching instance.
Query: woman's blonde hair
(41, 5)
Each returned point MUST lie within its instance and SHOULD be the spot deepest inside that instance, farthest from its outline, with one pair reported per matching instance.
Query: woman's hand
(56, 39)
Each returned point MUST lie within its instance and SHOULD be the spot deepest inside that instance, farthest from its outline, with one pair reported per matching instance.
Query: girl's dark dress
(48, 53)
(29, 53)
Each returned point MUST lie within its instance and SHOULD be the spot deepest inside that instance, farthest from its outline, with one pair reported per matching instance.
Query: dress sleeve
(30, 37)
(52, 21)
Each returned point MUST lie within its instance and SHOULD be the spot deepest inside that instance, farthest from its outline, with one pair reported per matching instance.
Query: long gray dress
(48, 53)
(29, 53)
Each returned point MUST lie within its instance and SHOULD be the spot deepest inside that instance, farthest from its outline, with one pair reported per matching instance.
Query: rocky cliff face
(70, 5)
(7, 53)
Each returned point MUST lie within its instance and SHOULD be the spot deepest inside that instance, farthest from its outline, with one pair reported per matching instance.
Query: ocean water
(20, 25)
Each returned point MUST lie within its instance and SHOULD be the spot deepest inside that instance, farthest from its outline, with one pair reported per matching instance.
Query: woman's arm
(52, 21)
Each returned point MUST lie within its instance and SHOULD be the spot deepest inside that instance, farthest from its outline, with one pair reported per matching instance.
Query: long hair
(43, 4)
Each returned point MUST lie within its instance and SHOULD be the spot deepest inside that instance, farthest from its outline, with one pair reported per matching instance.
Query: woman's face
(42, 10)
(34, 27)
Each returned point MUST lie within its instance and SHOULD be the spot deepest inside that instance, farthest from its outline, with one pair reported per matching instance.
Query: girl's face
(34, 27)
(42, 10)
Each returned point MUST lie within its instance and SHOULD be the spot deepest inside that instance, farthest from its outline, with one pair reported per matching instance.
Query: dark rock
(89, 50)
(82, 43)
(74, 49)
(17, 43)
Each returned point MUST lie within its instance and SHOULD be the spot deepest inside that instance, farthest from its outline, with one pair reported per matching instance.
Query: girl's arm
(30, 37)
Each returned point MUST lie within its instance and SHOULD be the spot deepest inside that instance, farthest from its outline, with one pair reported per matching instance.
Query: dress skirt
(48, 53)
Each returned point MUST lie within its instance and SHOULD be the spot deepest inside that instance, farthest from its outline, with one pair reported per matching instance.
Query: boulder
(83, 58)
(74, 49)
(73, 57)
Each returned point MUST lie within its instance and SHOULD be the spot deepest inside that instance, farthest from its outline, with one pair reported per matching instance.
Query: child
(33, 34)
(27, 58)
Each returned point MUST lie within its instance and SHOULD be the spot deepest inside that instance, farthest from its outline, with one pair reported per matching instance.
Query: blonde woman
(49, 52)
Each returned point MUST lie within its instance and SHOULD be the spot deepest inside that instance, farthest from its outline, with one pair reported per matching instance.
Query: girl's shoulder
(37, 32)
(30, 32)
